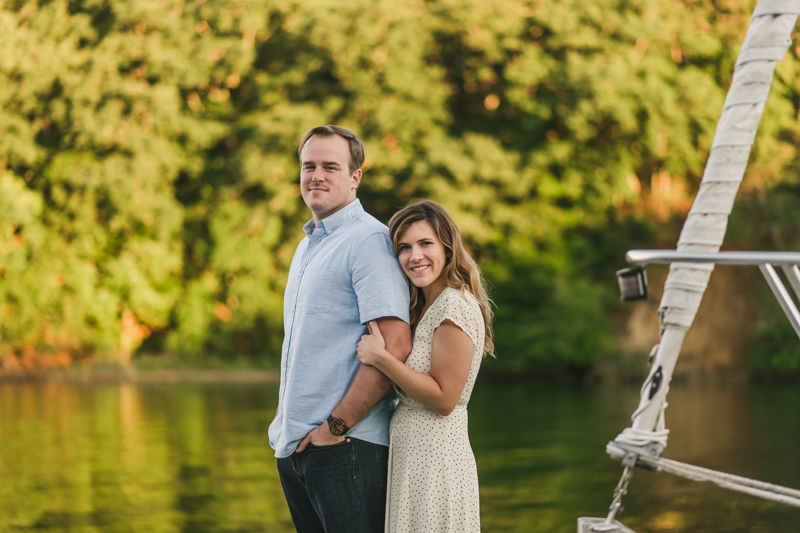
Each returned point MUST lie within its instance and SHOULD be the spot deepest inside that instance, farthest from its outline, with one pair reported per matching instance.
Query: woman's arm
(451, 359)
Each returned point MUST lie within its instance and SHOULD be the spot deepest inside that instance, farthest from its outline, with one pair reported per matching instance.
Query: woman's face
(421, 254)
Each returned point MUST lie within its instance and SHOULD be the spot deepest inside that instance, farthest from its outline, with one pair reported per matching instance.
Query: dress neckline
(431, 306)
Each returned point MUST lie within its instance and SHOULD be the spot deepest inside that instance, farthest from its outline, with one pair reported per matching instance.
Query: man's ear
(356, 178)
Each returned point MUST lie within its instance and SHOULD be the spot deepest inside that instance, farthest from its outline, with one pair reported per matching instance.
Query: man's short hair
(357, 153)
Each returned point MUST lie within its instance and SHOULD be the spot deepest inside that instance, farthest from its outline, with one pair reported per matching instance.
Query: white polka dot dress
(433, 480)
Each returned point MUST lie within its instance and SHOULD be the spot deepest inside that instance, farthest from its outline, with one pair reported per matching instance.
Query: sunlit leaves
(150, 150)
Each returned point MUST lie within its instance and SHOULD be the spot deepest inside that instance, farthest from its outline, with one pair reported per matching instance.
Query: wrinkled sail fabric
(766, 43)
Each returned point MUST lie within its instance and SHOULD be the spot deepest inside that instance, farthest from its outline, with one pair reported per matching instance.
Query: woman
(433, 481)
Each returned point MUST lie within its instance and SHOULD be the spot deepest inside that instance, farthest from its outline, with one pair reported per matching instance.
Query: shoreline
(91, 374)
(132, 375)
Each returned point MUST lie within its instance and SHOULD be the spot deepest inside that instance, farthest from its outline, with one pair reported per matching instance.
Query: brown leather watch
(337, 426)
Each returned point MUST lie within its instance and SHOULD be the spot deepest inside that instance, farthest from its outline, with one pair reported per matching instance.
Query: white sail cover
(766, 42)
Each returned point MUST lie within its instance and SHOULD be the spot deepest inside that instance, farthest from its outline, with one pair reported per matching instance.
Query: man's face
(325, 179)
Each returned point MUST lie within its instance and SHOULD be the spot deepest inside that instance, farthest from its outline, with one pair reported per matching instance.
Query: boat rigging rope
(760, 489)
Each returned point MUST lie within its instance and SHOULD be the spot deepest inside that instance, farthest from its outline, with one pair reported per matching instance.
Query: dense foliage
(148, 173)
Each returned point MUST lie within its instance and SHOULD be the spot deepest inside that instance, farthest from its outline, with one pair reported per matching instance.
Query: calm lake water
(194, 458)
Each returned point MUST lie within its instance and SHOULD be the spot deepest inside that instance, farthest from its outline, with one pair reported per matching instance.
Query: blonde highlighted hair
(461, 272)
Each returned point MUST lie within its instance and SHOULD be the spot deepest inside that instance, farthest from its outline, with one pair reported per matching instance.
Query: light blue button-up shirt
(344, 274)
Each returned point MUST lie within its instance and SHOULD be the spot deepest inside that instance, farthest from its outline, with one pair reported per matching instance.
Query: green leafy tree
(149, 172)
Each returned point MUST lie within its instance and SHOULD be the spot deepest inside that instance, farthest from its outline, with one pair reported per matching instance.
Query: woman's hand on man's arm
(451, 359)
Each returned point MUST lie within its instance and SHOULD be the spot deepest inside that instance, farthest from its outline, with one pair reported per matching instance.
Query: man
(331, 431)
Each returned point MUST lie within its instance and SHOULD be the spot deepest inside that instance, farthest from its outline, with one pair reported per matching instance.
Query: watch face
(338, 427)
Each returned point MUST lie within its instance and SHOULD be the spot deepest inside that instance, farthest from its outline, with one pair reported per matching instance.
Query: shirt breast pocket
(319, 292)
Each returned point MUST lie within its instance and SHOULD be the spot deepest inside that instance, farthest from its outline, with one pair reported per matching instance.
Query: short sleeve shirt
(343, 274)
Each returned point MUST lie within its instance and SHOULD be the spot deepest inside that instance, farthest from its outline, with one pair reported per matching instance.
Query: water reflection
(138, 458)
(541, 460)
(195, 458)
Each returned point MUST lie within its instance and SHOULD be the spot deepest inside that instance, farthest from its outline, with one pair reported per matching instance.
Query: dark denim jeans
(337, 489)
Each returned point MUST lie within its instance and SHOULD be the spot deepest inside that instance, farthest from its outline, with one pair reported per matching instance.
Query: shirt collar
(333, 222)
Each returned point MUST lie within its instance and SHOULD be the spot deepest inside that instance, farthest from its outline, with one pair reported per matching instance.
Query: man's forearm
(367, 388)
(369, 383)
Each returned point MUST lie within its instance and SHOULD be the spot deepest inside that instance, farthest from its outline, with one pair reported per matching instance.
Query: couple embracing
(371, 429)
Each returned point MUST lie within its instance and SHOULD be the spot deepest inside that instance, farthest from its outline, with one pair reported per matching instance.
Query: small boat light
(632, 284)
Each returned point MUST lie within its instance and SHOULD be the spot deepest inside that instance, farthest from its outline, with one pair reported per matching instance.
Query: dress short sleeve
(463, 310)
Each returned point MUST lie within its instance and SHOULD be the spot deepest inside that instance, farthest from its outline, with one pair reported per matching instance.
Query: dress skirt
(433, 482)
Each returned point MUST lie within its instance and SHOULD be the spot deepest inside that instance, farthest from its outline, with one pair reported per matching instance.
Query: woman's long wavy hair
(461, 272)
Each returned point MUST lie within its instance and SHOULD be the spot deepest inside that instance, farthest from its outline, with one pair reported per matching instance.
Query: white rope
(642, 437)
(760, 489)
(637, 437)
